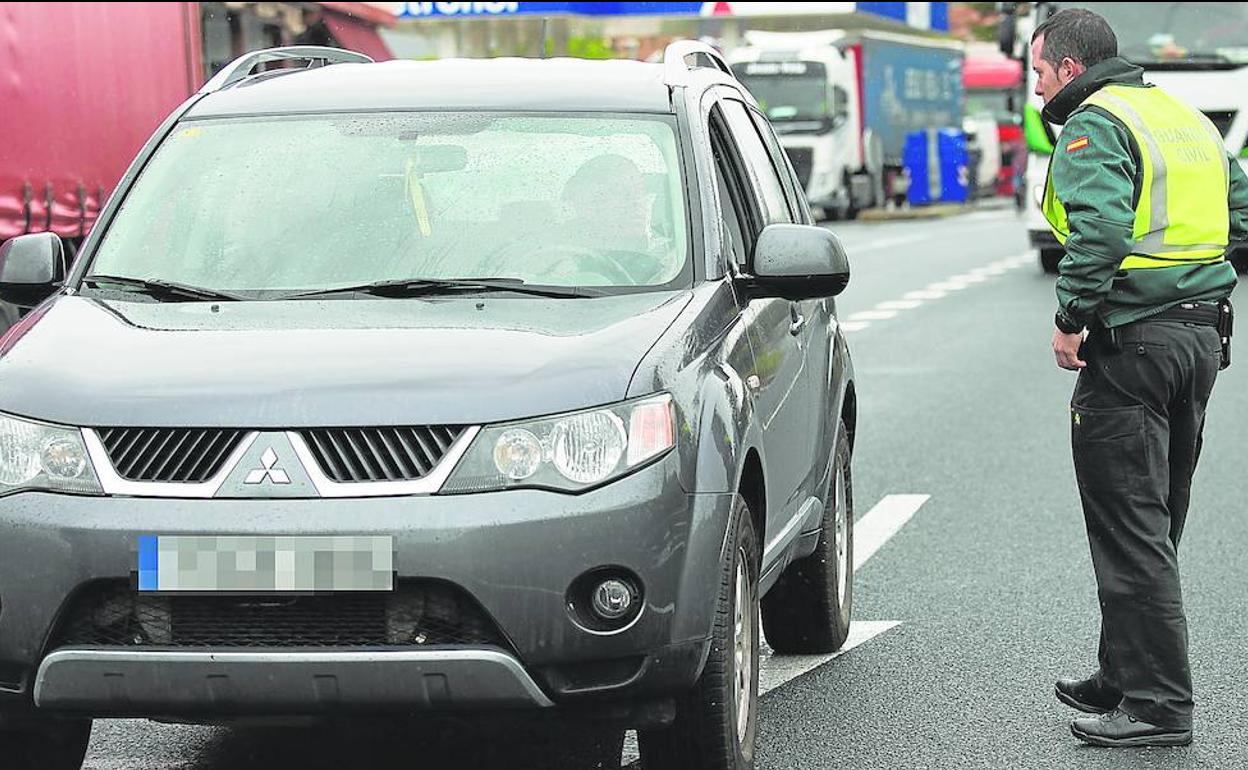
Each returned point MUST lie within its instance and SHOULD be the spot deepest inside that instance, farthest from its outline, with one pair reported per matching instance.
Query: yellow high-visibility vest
(1181, 217)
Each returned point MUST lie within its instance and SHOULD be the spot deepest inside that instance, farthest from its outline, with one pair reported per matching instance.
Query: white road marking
(871, 532)
(883, 521)
(886, 243)
(775, 671)
(873, 315)
(939, 290)
(899, 304)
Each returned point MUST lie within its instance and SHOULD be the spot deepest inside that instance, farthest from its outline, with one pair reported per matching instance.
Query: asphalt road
(989, 584)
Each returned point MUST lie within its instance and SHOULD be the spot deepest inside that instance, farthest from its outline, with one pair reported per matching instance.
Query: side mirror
(1007, 33)
(799, 262)
(31, 267)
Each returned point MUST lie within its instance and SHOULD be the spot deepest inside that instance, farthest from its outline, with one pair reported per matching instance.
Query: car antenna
(545, 29)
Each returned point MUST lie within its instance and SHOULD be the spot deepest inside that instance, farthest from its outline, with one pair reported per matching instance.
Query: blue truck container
(908, 84)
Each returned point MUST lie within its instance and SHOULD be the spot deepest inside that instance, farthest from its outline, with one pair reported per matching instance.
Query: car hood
(312, 363)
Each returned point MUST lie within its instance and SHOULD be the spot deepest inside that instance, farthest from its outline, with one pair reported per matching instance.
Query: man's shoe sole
(1161, 739)
(1080, 705)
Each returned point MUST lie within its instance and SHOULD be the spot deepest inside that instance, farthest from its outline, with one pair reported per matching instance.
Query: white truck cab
(808, 87)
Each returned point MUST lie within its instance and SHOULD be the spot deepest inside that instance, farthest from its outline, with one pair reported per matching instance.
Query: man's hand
(1066, 350)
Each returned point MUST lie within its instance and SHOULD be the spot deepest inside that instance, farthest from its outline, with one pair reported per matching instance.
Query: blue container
(937, 161)
(955, 172)
(914, 157)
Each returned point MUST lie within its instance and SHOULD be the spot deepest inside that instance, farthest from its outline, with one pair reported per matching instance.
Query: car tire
(716, 724)
(1239, 260)
(808, 610)
(45, 745)
(1049, 259)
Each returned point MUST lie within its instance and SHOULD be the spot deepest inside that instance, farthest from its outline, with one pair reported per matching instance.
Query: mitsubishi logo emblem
(274, 474)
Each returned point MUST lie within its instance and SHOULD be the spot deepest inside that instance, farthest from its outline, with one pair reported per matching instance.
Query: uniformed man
(1145, 199)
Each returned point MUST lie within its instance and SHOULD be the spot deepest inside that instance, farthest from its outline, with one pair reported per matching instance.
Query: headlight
(570, 452)
(37, 456)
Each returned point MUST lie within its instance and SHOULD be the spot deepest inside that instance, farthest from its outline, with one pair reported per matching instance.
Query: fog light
(612, 599)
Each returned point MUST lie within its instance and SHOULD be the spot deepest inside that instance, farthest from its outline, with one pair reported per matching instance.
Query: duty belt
(1202, 313)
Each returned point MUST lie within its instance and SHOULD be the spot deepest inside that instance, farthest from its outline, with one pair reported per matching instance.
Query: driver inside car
(609, 216)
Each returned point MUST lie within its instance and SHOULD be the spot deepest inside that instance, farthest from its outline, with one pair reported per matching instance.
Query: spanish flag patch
(1078, 144)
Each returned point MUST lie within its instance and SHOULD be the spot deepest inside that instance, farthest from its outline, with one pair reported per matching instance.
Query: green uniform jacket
(1099, 186)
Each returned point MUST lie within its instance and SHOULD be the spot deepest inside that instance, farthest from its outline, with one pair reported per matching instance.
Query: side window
(840, 103)
(763, 177)
(738, 225)
(780, 161)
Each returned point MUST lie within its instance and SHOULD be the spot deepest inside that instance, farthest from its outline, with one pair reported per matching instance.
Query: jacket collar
(1115, 70)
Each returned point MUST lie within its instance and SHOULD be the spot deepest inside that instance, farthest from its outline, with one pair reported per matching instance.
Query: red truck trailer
(83, 85)
(993, 84)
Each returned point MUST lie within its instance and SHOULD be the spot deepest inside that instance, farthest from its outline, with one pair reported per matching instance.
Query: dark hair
(1078, 33)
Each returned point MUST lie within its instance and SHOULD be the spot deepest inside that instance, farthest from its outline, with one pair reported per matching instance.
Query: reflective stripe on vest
(1181, 216)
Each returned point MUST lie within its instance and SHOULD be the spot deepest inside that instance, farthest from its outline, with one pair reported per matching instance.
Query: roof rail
(677, 64)
(241, 67)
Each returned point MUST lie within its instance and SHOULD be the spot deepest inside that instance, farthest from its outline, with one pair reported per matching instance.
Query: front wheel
(808, 610)
(45, 745)
(1049, 259)
(716, 725)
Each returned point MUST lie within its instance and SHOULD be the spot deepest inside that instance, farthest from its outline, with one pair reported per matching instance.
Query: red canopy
(357, 35)
(995, 72)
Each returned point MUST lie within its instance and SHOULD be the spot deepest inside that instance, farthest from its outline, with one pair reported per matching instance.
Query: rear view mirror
(1007, 32)
(440, 159)
(799, 262)
(31, 268)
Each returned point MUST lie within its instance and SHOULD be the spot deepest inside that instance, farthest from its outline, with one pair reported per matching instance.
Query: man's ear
(1072, 67)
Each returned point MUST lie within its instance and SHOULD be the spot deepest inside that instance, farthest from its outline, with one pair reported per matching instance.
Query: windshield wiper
(159, 288)
(432, 286)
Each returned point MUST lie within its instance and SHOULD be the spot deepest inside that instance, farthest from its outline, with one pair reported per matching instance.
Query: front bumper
(1043, 239)
(208, 683)
(515, 553)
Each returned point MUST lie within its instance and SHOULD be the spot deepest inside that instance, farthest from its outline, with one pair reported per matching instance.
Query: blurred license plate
(245, 564)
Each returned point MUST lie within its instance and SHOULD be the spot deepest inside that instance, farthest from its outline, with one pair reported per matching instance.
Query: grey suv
(503, 385)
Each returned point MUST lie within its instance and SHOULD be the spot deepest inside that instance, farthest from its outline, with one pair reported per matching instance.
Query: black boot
(1118, 729)
(1090, 695)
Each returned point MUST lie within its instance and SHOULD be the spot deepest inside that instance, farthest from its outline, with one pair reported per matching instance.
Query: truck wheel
(46, 745)
(850, 212)
(808, 610)
(1049, 259)
(717, 722)
(1239, 259)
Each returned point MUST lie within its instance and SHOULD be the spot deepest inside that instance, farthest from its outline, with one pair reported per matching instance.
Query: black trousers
(1136, 420)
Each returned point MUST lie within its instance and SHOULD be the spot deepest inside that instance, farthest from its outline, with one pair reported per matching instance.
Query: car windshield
(993, 101)
(798, 91)
(266, 206)
(1176, 32)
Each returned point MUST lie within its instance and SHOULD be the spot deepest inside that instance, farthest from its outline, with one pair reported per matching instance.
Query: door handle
(799, 321)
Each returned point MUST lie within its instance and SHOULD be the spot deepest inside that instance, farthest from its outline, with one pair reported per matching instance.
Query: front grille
(349, 455)
(417, 613)
(169, 455)
(802, 159)
(1221, 119)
